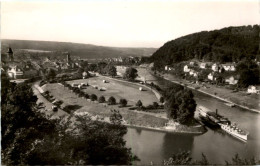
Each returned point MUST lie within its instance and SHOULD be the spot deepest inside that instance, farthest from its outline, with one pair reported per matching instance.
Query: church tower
(10, 54)
(68, 58)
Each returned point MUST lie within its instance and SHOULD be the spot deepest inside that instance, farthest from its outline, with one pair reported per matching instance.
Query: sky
(121, 23)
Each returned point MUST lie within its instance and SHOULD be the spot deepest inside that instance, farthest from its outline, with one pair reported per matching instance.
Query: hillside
(77, 50)
(230, 44)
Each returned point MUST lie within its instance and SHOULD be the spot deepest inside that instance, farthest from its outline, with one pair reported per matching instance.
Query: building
(231, 80)
(229, 67)
(203, 65)
(252, 89)
(215, 67)
(10, 54)
(193, 73)
(186, 69)
(15, 72)
(192, 63)
(211, 76)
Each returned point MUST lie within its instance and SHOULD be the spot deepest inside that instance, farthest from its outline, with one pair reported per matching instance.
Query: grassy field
(94, 108)
(119, 90)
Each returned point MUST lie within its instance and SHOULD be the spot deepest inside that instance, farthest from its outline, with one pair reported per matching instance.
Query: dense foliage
(184, 158)
(31, 138)
(130, 74)
(180, 105)
(230, 44)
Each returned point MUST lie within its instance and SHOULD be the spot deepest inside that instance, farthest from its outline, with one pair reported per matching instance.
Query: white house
(252, 89)
(215, 67)
(203, 65)
(15, 72)
(229, 67)
(211, 76)
(186, 69)
(193, 73)
(231, 80)
(168, 68)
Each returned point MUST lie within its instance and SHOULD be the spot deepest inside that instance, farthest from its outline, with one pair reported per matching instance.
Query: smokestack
(216, 111)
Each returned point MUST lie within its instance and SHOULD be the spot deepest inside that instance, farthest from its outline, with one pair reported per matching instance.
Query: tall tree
(130, 74)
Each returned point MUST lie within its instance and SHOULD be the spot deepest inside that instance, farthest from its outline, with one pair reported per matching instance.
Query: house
(186, 69)
(203, 65)
(252, 89)
(15, 72)
(211, 76)
(231, 80)
(215, 67)
(168, 68)
(192, 63)
(193, 73)
(229, 67)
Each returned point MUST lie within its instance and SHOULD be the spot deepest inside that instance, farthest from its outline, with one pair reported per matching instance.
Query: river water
(217, 145)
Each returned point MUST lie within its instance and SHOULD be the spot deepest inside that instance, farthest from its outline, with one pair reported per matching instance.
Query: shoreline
(158, 129)
(163, 130)
(214, 96)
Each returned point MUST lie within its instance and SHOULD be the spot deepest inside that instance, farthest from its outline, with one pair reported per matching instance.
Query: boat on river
(233, 130)
(213, 119)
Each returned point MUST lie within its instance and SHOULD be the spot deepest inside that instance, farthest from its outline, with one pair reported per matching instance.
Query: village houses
(186, 69)
(252, 89)
(231, 80)
(229, 67)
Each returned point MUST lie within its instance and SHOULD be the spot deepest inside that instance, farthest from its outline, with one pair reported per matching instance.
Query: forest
(231, 44)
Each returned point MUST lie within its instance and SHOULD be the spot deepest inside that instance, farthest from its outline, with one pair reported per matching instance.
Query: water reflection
(216, 144)
(174, 143)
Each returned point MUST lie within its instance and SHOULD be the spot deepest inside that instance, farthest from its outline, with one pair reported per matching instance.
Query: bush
(123, 102)
(111, 100)
(81, 94)
(139, 103)
(101, 99)
(93, 97)
(161, 99)
(155, 105)
(86, 96)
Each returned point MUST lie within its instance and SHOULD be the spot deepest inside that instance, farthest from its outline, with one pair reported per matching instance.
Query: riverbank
(134, 118)
(224, 95)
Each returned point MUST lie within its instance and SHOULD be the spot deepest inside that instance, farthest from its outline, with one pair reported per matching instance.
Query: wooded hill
(76, 49)
(230, 44)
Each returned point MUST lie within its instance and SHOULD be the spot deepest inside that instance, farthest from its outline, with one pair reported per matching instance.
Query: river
(215, 144)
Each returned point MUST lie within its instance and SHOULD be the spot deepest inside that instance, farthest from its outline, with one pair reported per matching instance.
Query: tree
(161, 99)
(31, 138)
(50, 74)
(249, 73)
(20, 121)
(139, 103)
(93, 97)
(111, 71)
(92, 67)
(181, 107)
(111, 100)
(183, 158)
(101, 99)
(130, 74)
(155, 105)
(123, 102)
(86, 96)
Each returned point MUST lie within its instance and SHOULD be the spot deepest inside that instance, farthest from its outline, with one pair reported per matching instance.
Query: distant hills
(230, 44)
(84, 51)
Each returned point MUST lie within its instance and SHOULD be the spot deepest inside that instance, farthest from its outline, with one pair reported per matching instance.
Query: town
(130, 83)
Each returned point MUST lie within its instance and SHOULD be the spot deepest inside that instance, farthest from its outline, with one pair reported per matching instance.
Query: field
(116, 89)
